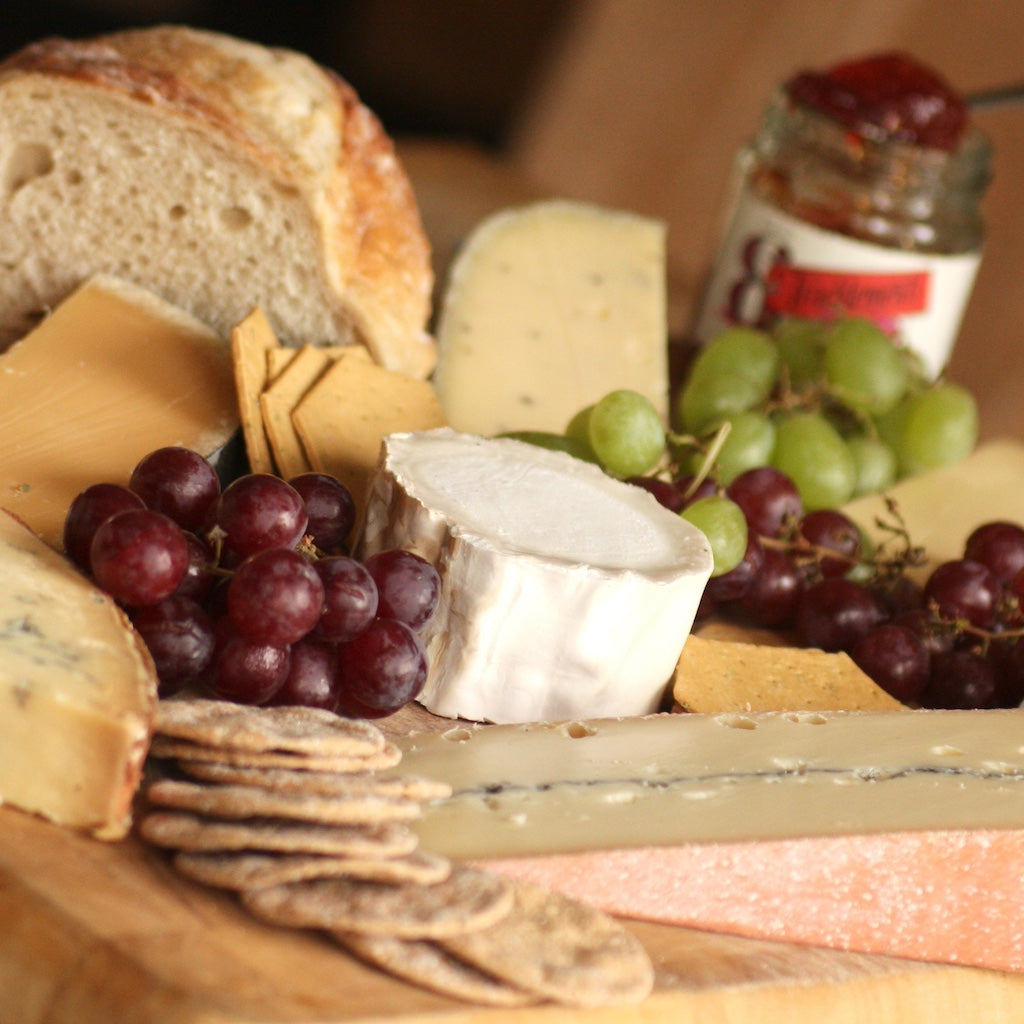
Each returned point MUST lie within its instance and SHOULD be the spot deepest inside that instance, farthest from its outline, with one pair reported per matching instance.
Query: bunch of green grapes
(842, 409)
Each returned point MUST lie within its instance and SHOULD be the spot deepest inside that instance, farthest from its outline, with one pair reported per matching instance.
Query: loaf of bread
(218, 173)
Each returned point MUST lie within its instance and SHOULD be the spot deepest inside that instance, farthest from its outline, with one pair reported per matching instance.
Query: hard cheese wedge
(563, 591)
(547, 308)
(113, 373)
(77, 691)
(886, 832)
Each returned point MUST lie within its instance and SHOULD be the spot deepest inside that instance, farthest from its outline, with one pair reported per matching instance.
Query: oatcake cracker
(286, 729)
(181, 830)
(559, 949)
(182, 750)
(466, 899)
(410, 787)
(238, 870)
(233, 802)
(426, 964)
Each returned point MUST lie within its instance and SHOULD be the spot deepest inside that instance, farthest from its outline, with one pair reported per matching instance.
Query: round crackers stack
(285, 807)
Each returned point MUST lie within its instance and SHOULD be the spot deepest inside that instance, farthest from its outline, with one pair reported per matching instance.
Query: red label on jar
(795, 291)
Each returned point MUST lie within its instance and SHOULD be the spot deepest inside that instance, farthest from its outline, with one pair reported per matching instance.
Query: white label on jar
(772, 265)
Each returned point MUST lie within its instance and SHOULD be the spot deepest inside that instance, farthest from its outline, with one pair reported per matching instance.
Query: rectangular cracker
(717, 676)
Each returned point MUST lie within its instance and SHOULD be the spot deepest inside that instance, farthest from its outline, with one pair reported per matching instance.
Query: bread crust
(300, 123)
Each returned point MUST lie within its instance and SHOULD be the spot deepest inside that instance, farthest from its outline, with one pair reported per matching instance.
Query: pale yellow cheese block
(78, 691)
(941, 508)
(547, 308)
(112, 374)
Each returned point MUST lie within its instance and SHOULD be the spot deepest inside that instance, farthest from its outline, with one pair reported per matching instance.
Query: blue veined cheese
(547, 308)
(673, 779)
(564, 592)
(78, 691)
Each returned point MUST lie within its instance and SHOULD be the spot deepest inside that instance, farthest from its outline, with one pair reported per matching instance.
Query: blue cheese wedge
(78, 692)
(547, 308)
(565, 592)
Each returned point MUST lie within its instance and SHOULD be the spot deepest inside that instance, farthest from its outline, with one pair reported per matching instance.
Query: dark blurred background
(428, 67)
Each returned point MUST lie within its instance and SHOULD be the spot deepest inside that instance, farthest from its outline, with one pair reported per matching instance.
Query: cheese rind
(564, 592)
(548, 307)
(110, 375)
(78, 691)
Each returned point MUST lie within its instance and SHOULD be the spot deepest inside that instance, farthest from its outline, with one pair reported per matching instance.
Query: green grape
(875, 463)
(579, 426)
(723, 523)
(749, 444)
(812, 453)
(735, 371)
(626, 433)
(800, 350)
(864, 369)
(939, 427)
(554, 442)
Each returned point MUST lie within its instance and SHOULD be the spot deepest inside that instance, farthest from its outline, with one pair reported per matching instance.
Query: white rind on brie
(565, 592)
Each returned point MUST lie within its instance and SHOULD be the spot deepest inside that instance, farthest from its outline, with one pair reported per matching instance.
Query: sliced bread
(218, 173)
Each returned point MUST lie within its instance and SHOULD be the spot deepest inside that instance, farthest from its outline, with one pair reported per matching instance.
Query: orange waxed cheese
(941, 896)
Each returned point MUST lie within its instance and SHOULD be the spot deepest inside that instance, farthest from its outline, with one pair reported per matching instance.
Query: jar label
(773, 265)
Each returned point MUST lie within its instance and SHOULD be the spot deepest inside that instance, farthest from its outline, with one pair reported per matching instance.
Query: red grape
(199, 578)
(381, 670)
(139, 557)
(350, 599)
(999, 546)
(769, 499)
(312, 679)
(180, 639)
(275, 597)
(732, 585)
(408, 586)
(959, 680)
(835, 613)
(896, 658)
(178, 482)
(667, 494)
(831, 530)
(89, 509)
(260, 511)
(771, 598)
(329, 506)
(964, 590)
(244, 670)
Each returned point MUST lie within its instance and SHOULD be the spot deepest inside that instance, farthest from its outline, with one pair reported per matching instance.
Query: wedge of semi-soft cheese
(77, 691)
(111, 374)
(547, 308)
(565, 592)
(883, 832)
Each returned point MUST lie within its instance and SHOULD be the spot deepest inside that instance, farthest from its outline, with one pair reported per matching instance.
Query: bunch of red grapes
(246, 591)
(956, 640)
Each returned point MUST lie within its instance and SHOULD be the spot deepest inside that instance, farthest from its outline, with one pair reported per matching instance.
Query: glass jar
(828, 221)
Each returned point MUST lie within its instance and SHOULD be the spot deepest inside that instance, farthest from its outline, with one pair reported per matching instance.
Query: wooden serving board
(107, 933)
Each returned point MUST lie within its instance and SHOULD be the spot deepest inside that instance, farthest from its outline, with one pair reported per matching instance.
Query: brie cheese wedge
(565, 592)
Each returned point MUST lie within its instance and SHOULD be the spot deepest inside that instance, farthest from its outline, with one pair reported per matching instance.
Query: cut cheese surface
(112, 374)
(940, 508)
(564, 591)
(548, 307)
(668, 780)
(77, 691)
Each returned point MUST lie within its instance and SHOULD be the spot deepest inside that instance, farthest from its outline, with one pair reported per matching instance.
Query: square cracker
(251, 339)
(278, 400)
(730, 676)
(343, 418)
